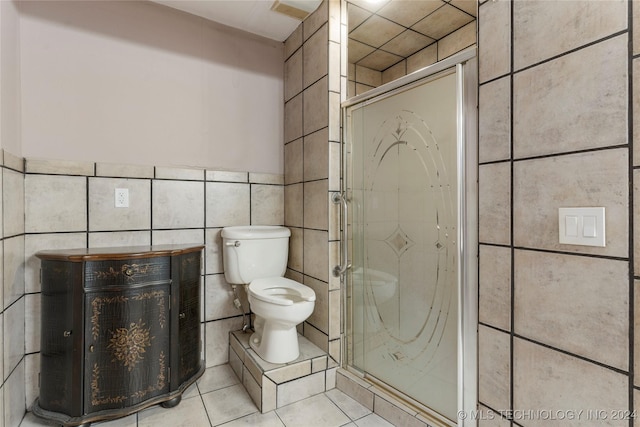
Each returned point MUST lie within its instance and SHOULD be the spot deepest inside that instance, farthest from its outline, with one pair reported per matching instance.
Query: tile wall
(13, 364)
(312, 92)
(362, 79)
(556, 321)
(57, 204)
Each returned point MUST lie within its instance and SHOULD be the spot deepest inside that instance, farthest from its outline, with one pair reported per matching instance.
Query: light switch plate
(582, 226)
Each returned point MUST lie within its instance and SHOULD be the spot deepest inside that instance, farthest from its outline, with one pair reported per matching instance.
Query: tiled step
(273, 386)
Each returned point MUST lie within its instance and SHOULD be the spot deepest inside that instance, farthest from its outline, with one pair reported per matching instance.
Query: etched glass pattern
(404, 297)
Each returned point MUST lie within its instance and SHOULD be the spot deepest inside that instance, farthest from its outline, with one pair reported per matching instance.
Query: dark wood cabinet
(120, 330)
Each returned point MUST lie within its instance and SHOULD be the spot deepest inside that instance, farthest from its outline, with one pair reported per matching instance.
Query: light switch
(571, 223)
(589, 226)
(582, 226)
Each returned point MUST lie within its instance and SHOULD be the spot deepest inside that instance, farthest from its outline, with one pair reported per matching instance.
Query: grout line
(512, 213)
(631, 249)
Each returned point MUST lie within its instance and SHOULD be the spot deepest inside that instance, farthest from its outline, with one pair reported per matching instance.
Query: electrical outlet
(122, 197)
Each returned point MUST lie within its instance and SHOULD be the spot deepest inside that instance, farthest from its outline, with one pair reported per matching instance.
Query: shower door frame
(465, 65)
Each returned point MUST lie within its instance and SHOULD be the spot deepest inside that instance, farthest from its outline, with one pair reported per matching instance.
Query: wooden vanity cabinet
(120, 330)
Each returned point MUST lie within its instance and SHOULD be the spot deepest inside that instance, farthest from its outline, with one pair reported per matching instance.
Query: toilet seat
(280, 291)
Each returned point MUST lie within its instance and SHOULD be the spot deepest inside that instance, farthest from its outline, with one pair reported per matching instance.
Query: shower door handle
(339, 270)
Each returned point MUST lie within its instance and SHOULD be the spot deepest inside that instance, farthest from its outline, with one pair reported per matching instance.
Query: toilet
(378, 288)
(256, 256)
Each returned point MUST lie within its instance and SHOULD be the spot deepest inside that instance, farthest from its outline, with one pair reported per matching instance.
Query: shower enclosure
(410, 185)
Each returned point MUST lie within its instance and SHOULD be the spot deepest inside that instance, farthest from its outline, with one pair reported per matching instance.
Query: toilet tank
(254, 251)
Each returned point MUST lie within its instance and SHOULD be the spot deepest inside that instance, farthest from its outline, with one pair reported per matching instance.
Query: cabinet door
(189, 345)
(60, 341)
(127, 346)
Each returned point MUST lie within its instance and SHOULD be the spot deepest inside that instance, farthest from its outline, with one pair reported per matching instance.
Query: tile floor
(218, 399)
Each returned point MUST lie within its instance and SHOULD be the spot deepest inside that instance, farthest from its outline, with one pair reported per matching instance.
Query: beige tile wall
(312, 165)
(554, 132)
(13, 301)
(61, 204)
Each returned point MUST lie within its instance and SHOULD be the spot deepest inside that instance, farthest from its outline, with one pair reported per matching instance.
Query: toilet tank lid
(255, 232)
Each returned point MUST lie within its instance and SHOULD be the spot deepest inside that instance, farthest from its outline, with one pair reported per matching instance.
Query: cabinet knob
(129, 272)
(182, 315)
(66, 334)
(91, 348)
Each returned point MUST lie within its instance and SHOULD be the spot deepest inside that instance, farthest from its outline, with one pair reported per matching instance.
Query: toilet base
(276, 345)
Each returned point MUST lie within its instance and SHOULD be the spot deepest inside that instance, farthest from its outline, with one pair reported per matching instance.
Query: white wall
(9, 79)
(136, 82)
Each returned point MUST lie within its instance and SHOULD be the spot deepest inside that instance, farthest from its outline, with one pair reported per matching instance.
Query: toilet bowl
(256, 256)
(377, 288)
(279, 304)
(383, 285)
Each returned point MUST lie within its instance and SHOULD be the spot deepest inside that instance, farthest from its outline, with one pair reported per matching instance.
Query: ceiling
(381, 32)
(253, 16)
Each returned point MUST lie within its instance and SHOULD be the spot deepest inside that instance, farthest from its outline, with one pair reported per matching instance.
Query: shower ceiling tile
(375, 31)
(358, 50)
(440, 22)
(408, 12)
(407, 43)
(371, 6)
(357, 15)
(469, 6)
(380, 60)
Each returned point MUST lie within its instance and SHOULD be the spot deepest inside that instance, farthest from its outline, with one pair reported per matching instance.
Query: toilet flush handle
(236, 243)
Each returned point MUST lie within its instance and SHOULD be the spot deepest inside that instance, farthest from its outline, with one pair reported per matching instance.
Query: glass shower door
(402, 185)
